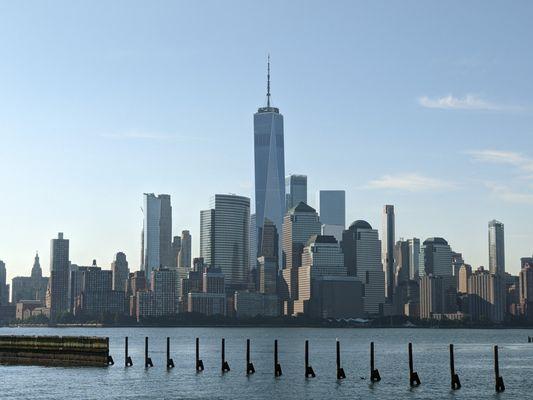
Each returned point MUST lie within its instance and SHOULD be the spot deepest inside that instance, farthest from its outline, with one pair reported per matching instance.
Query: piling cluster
(414, 379)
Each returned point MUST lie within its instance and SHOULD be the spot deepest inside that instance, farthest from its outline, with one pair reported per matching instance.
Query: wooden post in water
(499, 385)
(277, 366)
(199, 363)
(170, 361)
(309, 373)
(455, 382)
(340, 370)
(374, 373)
(147, 360)
(414, 380)
(225, 366)
(249, 365)
(127, 359)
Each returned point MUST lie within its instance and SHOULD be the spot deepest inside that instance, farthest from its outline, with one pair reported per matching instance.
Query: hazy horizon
(426, 106)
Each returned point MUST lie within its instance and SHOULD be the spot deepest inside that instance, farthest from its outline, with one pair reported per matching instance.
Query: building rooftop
(359, 224)
(302, 207)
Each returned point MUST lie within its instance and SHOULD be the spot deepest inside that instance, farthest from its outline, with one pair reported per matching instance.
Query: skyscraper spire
(268, 82)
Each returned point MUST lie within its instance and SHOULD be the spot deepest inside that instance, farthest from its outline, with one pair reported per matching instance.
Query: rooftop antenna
(268, 81)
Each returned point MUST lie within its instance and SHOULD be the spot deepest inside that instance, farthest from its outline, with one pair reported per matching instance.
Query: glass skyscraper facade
(225, 235)
(269, 159)
(295, 190)
(496, 248)
(157, 233)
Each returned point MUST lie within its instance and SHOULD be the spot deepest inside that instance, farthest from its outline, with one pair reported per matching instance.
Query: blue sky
(424, 105)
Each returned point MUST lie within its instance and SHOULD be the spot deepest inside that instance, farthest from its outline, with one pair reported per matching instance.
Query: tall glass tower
(496, 248)
(269, 167)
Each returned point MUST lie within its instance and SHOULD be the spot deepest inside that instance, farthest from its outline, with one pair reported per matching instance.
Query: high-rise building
(414, 258)
(299, 224)
(401, 275)
(526, 290)
(486, 296)
(464, 276)
(496, 248)
(176, 247)
(325, 289)
(120, 271)
(295, 190)
(184, 258)
(362, 257)
(332, 211)
(387, 249)
(457, 263)
(435, 257)
(4, 288)
(30, 287)
(157, 233)
(269, 158)
(224, 237)
(59, 276)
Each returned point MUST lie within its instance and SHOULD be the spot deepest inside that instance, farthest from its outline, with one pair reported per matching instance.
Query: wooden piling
(455, 382)
(340, 370)
(170, 361)
(225, 366)
(127, 359)
(374, 373)
(147, 360)
(199, 363)
(277, 366)
(309, 373)
(499, 385)
(414, 380)
(249, 365)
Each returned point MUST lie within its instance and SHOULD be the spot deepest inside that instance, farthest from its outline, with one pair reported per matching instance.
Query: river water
(473, 363)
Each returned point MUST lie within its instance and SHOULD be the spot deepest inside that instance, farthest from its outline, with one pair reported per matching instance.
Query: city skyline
(480, 170)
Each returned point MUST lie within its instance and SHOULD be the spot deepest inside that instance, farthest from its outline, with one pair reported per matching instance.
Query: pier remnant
(199, 363)
(79, 351)
(249, 365)
(414, 380)
(147, 360)
(225, 366)
(277, 366)
(309, 373)
(127, 359)
(499, 385)
(455, 382)
(340, 370)
(374, 373)
(170, 361)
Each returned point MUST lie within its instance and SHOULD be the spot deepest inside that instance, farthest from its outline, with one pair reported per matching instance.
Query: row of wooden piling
(414, 379)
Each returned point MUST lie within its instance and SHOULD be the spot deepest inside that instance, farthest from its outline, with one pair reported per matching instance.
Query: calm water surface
(473, 358)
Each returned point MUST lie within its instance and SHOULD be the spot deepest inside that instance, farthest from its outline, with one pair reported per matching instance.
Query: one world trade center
(269, 168)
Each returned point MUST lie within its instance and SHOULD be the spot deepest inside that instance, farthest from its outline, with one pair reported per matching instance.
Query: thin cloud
(468, 102)
(409, 182)
(503, 157)
(509, 195)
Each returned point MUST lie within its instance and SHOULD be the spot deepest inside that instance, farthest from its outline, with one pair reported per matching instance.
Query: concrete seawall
(82, 351)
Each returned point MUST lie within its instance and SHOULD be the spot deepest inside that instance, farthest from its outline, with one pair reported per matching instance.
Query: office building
(486, 296)
(463, 279)
(176, 247)
(4, 288)
(120, 271)
(295, 191)
(457, 263)
(184, 257)
(362, 257)
(496, 248)
(414, 258)
(157, 233)
(435, 258)
(526, 290)
(437, 297)
(251, 304)
(299, 224)
(387, 249)
(224, 237)
(59, 276)
(332, 211)
(30, 287)
(269, 165)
